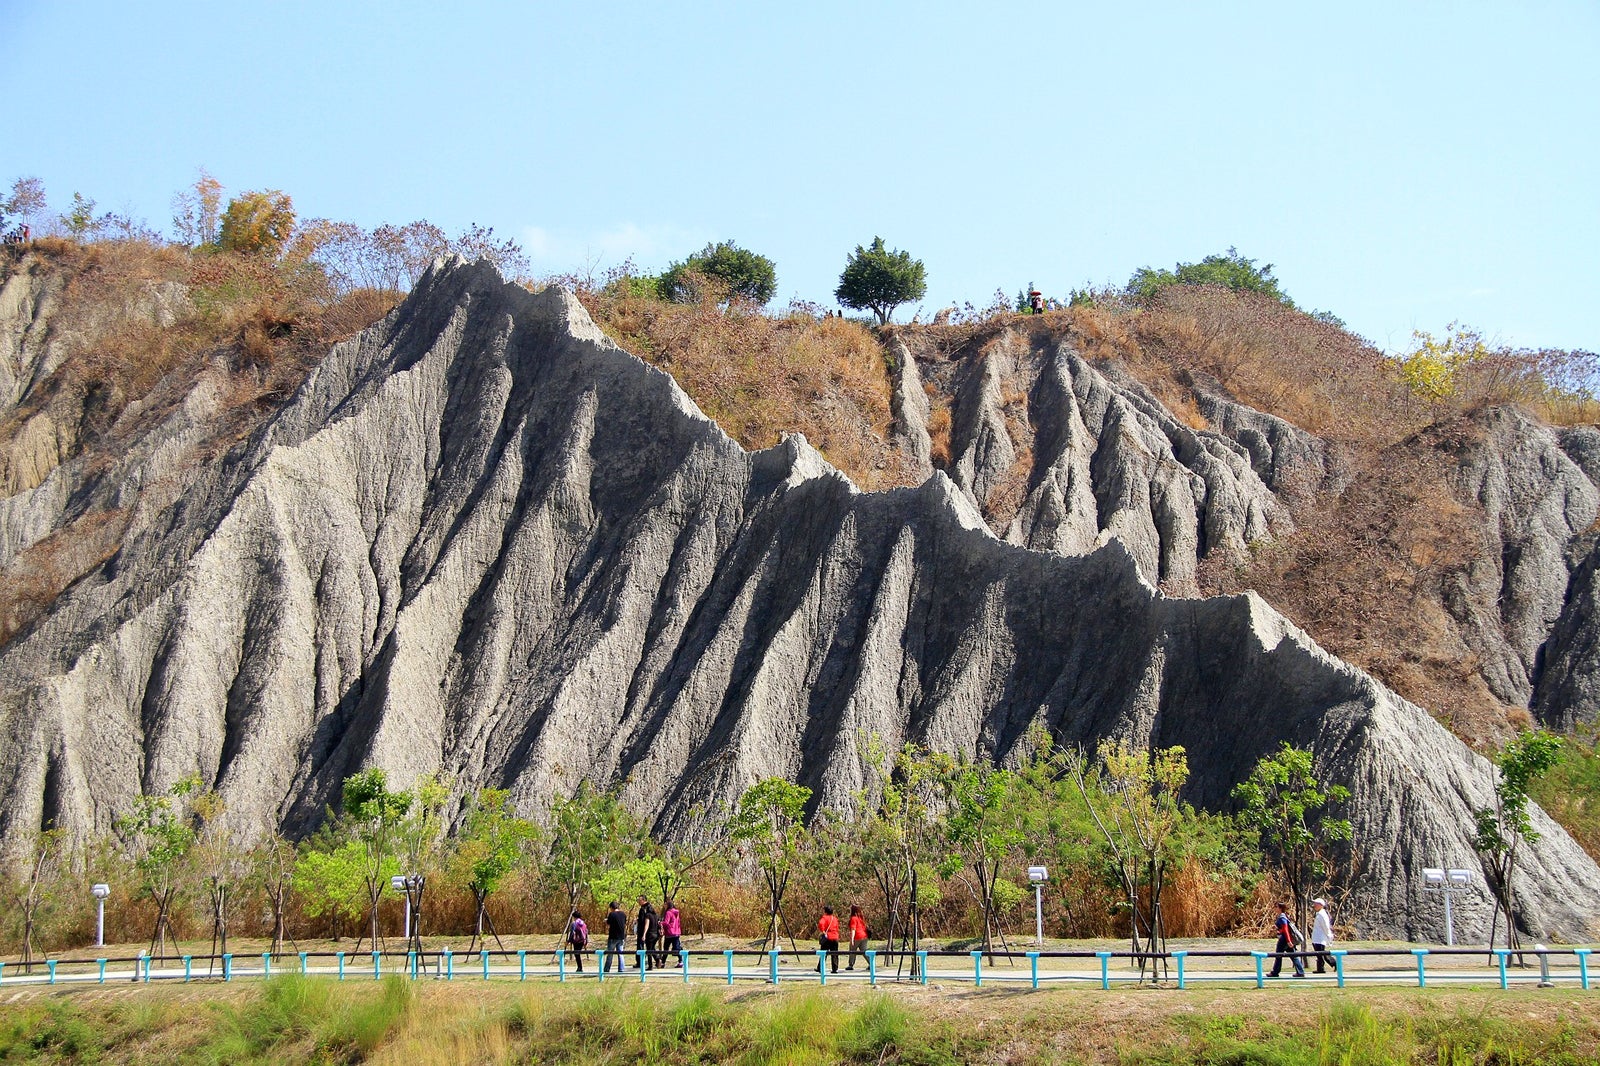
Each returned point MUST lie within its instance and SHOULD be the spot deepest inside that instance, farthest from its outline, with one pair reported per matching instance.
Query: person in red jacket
(828, 937)
(858, 934)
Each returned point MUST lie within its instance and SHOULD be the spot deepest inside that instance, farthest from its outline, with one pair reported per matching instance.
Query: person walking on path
(828, 937)
(1322, 934)
(1288, 937)
(858, 934)
(647, 932)
(616, 935)
(577, 937)
(672, 926)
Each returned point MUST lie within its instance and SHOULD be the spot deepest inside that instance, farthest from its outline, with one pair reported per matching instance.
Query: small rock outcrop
(483, 540)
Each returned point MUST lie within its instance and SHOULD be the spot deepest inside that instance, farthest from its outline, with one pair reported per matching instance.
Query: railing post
(102, 963)
(1180, 956)
(822, 967)
(522, 966)
(1033, 962)
(872, 968)
(1338, 965)
(50, 964)
(3, 970)
(1502, 954)
(1261, 971)
(1105, 968)
(977, 968)
(774, 956)
(922, 965)
(644, 968)
(302, 964)
(1422, 967)
(1583, 967)
(411, 963)
(147, 961)
(449, 965)
(266, 964)
(188, 967)
(727, 953)
(377, 965)
(683, 963)
(227, 966)
(340, 956)
(600, 957)
(561, 964)
(483, 957)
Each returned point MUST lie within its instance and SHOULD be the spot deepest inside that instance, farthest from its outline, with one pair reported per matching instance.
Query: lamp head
(100, 890)
(1036, 874)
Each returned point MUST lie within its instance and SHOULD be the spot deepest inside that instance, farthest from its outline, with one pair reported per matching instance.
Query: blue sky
(1401, 164)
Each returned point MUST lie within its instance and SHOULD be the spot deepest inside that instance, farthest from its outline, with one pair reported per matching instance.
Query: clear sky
(1401, 164)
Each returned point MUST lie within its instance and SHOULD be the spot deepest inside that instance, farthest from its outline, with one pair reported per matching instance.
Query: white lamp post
(399, 884)
(101, 891)
(1446, 882)
(1038, 875)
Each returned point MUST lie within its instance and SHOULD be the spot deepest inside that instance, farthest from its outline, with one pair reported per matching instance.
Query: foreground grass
(296, 1019)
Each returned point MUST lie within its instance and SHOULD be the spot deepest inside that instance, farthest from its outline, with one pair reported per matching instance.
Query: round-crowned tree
(733, 273)
(877, 279)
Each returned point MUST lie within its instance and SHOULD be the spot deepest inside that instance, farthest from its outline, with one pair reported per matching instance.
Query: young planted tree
(769, 825)
(220, 864)
(982, 829)
(589, 832)
(879, 280)
(419, 838)
(1058, 831)
(274, 861)
(1284, 802)
(159, 832)
(897, 835)
(373, 815)
(35, 889)
(1133, 802)
(1504, 827)
(494, 842)
(329, 878)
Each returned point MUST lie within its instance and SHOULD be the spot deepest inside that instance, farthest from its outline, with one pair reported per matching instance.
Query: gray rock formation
(483, 540)
(908, 403)
(1535, 501)
(1109, 460)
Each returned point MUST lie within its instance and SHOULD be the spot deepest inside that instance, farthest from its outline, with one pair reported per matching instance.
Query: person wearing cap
(1321, 933)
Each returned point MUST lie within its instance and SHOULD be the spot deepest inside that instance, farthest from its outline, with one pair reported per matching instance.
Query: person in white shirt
(1321, 933)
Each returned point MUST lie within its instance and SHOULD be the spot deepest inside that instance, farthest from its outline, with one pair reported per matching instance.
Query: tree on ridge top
(877, 279)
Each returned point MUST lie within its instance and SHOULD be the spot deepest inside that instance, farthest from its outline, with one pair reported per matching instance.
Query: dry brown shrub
(760, 376)
(43, 571)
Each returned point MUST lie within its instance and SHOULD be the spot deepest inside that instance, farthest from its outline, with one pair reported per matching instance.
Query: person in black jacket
(647, 932)
(616, 935)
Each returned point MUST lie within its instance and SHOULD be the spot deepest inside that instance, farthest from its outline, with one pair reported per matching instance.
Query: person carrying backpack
(1288, 939)
(577, 937)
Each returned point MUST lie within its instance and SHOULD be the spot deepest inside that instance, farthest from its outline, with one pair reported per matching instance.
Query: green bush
(1232, 271)
(723, 272)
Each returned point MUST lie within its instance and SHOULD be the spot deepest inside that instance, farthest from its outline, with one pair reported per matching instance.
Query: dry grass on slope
(760, 376)
(140, 327)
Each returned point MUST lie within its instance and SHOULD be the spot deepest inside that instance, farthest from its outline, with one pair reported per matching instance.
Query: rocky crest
(481, 539)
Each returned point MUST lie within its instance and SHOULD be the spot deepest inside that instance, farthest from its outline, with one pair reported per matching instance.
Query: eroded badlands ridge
(484, 540)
